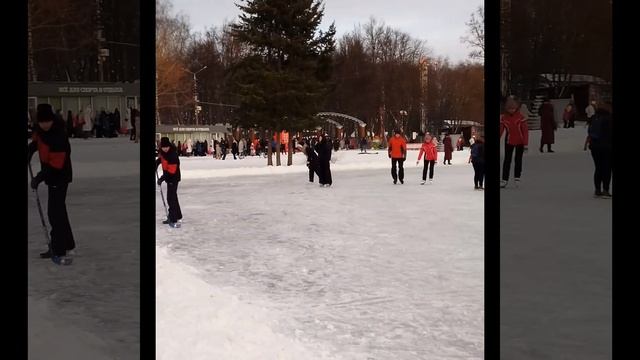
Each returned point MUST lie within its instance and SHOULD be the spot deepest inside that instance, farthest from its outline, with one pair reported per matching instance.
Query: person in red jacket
(517, 138)
(52, 144)
(430, 152)
(168, 157)
(398, 154)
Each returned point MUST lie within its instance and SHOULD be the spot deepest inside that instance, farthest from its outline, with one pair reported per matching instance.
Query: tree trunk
(290, 154)
(33, 75)
(278, 163)
(269, 152)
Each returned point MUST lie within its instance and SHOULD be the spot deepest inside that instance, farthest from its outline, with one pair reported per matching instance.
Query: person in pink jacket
(430, 158)
(515, 124)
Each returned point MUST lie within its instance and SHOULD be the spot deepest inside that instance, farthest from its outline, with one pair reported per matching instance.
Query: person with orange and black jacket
(51, 142)
(168, 157)
(398, 154)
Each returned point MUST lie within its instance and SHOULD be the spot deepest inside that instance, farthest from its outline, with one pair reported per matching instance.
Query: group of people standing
(599, 138)
(106, 124)
(318, 154)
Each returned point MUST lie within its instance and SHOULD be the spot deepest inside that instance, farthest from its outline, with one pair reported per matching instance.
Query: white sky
(440, 23)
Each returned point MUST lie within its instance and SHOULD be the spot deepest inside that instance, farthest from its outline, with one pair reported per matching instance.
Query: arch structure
(328, 115)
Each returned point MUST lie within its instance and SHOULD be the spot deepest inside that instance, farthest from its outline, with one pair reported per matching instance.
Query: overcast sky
(440, 22)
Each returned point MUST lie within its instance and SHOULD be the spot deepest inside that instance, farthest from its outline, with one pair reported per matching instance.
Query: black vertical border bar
(147, 181)
(623, 257)
(492, 189)
(15, 183)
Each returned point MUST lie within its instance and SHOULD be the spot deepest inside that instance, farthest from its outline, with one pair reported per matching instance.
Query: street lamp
(403, 114)
(195, 91)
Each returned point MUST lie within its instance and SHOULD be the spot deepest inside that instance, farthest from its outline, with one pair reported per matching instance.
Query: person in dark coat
(133, 112)
(116, 121)
(548, 126)
(312, 159)
(223, 148)
(323, 149)
(52, 144)
(234, 149)
(69, 124)
(448, 149)
(363, 145)
(168, 158)
(477, 159)
(600, 142)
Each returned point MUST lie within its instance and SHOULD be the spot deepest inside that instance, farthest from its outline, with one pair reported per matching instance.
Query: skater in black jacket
(477, 159)
(323, 148)
(52, 144)
(312, 159)
(168, 157)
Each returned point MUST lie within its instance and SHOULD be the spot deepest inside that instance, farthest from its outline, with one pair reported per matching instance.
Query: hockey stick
(162, 195)
(44, 224)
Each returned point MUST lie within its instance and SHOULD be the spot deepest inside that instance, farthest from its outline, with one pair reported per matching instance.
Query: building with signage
(67, 96)
(183, 133)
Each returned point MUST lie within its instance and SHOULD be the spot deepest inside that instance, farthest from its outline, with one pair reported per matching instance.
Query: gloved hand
(160, 180)
(36, 180)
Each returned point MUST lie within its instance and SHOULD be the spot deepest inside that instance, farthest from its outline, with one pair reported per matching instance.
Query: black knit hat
(45, 113)
(164, 142)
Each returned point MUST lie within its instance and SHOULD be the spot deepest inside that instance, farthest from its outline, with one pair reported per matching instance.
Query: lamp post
(195, 92)
(403, 116)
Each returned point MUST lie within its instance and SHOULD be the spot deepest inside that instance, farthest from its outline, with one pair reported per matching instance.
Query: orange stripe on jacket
(170, 168)
(55, 159)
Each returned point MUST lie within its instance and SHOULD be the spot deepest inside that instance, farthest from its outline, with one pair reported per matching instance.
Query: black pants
(61, 235)
(508, 155)
(224, 154)
(478, 173)
(324, 172)
(175, 213)
(428, 166)
(602, 161)
(132, 135)
(313, 169)
(399, 171)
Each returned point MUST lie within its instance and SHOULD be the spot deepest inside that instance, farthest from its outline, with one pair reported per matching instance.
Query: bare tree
(475, 34)
(174, 85)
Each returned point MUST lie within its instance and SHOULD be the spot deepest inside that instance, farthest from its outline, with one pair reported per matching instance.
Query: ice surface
(555, 256)
(91, 309)
(362, 270)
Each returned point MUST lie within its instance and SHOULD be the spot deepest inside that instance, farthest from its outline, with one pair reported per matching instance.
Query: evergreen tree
(284, 80)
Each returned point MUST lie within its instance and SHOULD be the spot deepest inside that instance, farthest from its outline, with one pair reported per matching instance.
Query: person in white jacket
(87, 126)
(241, 148)
(591, 111)
(524, 110)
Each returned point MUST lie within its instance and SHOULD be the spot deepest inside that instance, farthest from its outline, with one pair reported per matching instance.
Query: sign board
(90, 90)
(104, 52)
